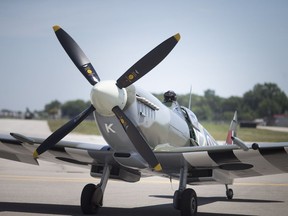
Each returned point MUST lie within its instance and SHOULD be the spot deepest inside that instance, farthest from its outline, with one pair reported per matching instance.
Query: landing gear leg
(92, 195)
(229, 192)
(184, 199)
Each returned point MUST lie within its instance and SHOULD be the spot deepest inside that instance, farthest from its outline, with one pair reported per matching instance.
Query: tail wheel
(229, 194)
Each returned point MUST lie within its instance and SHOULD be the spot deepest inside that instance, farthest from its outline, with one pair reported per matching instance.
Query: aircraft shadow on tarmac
(162, 209)
(208, 200)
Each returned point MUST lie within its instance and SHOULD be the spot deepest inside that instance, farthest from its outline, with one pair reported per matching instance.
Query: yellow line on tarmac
(74, 179)
(43, 178)
(142, 181)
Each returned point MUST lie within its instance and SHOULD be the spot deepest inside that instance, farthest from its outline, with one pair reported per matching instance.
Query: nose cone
(105, 95)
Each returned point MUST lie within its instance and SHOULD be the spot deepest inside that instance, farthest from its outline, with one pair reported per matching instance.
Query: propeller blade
(77, 55)
(148, 62)
(137, 139)
(55, 137)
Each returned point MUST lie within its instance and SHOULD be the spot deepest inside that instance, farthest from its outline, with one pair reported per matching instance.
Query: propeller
(115, 96)
(60, 133)
(137, 139)
(148, 62)
(77, 55)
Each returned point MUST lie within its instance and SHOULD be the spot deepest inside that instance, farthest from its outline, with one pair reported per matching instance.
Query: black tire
(189, 203)
(229, 194)
(86, 200)
(177, 199)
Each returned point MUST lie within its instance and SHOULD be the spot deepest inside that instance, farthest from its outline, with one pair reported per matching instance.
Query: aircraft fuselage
(162, 126)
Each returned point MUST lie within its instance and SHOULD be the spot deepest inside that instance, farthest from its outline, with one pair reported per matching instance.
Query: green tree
(231, 104)
(215, 104)
(266, 100)
(52, 109)
(72, 108)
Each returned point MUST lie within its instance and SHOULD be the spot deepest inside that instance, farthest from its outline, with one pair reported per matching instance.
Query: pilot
(169, 96)
(170, 100)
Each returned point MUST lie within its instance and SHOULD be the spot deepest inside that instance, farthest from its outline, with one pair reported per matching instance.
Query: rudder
(232, 130)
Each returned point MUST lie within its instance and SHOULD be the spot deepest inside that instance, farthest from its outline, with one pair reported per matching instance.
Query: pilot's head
(170, 96)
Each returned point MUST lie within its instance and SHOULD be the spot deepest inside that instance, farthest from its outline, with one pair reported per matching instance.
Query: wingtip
(56, 28)
(158, 167)
(177, 36)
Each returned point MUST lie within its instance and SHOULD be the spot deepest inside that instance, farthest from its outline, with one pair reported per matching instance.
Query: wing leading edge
(224, 163)
(72, 153)
(220, 164)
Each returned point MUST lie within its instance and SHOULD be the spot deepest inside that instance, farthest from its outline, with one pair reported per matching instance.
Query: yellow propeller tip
(177, 36)
(35, 154)
(56, 28)
(158, 167)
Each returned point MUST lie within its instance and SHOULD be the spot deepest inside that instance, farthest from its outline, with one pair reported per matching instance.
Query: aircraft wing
(71, 153)
(224, 163)
(220, 164)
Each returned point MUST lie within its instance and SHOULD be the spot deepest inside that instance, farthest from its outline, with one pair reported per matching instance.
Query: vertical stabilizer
(232, 130)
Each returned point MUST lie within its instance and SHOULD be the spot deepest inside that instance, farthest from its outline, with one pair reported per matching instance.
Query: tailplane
(232, 130)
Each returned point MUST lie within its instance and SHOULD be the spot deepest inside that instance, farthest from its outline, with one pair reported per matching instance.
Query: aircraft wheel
(189, 203)
(177, 199)
(229, 194)
(88, 204)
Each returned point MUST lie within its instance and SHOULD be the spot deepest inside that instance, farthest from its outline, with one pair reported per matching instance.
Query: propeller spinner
(110, 97)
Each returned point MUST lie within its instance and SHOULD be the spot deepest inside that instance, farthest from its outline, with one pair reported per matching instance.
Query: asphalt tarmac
(52, 189)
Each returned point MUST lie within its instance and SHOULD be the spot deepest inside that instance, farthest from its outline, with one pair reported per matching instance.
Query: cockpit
(170, 100)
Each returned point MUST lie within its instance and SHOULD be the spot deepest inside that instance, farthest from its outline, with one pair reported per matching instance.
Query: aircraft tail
(232, 130)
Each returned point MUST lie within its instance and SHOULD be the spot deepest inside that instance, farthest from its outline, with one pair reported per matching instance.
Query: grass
(217, 130)
(88, 127)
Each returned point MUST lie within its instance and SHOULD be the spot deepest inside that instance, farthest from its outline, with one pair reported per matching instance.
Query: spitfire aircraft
(145, 137)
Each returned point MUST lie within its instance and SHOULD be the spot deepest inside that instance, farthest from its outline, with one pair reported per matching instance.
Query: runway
(52, 189)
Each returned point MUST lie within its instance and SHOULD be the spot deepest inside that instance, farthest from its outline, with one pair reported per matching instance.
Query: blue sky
(226, 45)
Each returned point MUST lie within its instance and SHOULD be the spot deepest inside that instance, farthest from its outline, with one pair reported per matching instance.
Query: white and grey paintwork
(167, 132)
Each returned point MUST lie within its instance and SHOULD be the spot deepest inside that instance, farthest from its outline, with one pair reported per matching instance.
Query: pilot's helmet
(170, 96)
